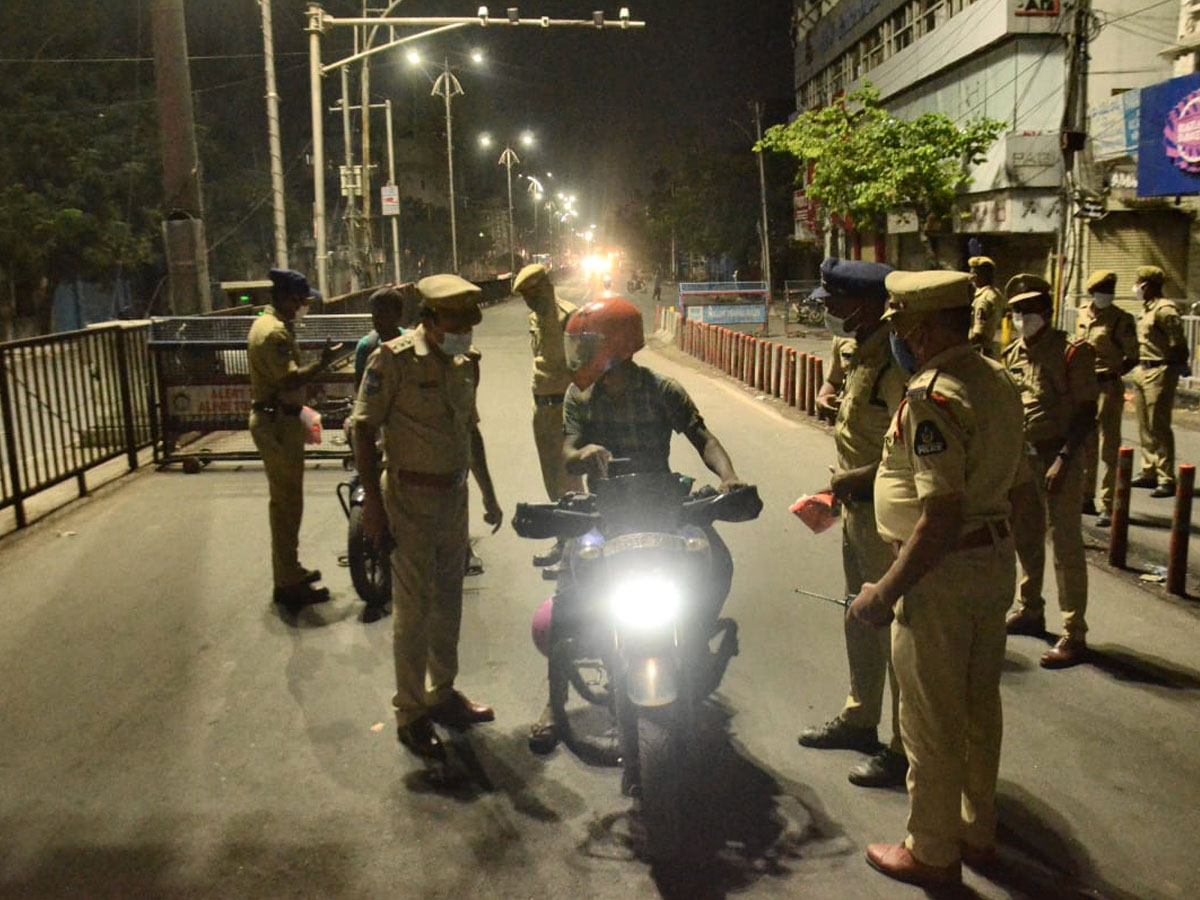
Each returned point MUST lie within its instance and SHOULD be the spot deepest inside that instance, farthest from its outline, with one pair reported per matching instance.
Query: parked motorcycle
(370, 570)
(635, 284)
(807, 311)
(631, 629)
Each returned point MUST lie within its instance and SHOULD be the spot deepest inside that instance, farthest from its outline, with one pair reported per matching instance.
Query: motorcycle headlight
(646, 601)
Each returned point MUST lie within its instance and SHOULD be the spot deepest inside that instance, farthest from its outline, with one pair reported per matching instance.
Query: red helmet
(601, 334)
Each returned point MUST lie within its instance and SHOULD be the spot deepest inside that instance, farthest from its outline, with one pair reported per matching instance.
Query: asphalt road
(166, 734)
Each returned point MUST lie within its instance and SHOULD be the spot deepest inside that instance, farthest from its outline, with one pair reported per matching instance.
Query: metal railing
(68, 403)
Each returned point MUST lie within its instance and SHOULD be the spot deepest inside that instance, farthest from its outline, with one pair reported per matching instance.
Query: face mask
(1103, 301)
(1028, 324)
(300, 312)
(1139, 291)
(905, 358)
(457, 344)
(843, 327)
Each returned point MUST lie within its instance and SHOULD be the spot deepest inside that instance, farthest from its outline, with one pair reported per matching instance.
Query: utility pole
(183, 230)
(507, 158)
(447, 86)
(368, 242)
(349, 182)
(391, 148)
(315, 74)
(762, 191)
(1072, 137)
(276, 153)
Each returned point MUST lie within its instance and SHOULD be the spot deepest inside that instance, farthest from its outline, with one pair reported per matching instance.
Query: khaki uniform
(424, 404)
(987, 312)
(1161, 344)
(551, 378)
(278, 434)
(872, 385)
(1055, 375)
(956, 433)
(1112, 333)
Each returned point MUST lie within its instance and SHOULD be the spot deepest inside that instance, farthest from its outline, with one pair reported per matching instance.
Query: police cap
(1153, 274)
(530, 277)
(981, 262)
(292, 282)
(1026, 286)
(852, 278)
(452, 293)
(916, 293)
(1103, 281)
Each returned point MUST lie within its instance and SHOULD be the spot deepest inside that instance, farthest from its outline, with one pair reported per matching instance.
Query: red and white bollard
(1118, 537)
(1181, 528)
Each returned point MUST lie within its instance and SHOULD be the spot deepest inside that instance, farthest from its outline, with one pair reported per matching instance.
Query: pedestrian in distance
(419, 389)
(952, 458)
(1163, 355)
(277, 391)
(1057, 378)
(658, 284)
(548, 315)
(1112, 333)
(872, 385)
(987, 307)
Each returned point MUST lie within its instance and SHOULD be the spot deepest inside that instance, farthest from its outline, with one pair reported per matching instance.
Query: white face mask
(1028, 324)
(1139, 290)
(1103, 301)
(836, 325)
(457, 344)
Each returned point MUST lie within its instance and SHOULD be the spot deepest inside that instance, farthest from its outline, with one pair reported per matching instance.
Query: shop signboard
(1169, 138)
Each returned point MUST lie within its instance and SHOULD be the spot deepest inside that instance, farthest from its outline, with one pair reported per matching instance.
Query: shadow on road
(1141, 668)
(1162, 523)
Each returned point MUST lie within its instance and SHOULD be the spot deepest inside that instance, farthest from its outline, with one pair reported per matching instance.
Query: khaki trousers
(1061, 514)
(548, 435)
(280, 442)
(429, 525)
(1154, 393)
(1102, 444)
(865, 557)
(948, 648)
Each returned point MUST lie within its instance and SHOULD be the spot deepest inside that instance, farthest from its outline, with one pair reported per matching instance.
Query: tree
(866, 162)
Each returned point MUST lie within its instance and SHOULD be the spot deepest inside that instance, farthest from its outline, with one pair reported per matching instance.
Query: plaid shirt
(638, 423)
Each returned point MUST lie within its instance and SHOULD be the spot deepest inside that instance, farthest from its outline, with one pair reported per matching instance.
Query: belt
(983, 537)
(288, 409)
(443, 480)
(1153, 363)
(547, 399)
(1107, 376)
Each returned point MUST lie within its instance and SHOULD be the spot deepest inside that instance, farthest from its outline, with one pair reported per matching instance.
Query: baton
(844, 604)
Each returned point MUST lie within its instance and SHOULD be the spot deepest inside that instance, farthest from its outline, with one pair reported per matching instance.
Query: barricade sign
(725, 302)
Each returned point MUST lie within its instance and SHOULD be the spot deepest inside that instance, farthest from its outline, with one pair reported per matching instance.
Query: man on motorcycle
(618, 409)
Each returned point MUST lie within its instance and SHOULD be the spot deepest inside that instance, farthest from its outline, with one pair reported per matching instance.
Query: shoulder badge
(399, 344)
(372, 381)
(928, 440)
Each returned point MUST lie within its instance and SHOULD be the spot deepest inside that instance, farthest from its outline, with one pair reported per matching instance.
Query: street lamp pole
(447, 86)
(507, 158)
(314, 14)
(276, 152)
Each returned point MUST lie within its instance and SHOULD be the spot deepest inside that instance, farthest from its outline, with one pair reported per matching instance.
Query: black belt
(1153, 363)
(983, 537)
(443, 480)
(288, 409)
(1107, 376)
(547, 399)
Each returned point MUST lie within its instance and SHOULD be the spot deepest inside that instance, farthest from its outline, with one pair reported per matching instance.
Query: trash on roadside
(1153, 578)
(67, 534)
(377, 727)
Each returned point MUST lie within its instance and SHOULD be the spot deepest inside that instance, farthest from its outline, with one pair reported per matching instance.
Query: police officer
(548, 314)
(951, 457)
(872, 385)
(1163, 351)
(420, 390)
(1112, 333)
(1057, 378)
(277, 382)
(987, 307)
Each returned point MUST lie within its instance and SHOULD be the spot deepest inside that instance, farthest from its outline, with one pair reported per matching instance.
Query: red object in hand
(817, 511)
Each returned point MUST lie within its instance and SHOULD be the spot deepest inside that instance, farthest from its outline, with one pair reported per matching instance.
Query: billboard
(1169, 138)
(1114, 126)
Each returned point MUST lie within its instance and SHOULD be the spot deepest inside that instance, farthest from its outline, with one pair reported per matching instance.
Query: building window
(902, 28)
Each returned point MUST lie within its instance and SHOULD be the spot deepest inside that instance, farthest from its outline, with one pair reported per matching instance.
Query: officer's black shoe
(543, 738)
(1164, 490)
(420, 739)
(551, 573)
(297, 596)
(1104, 519)
(550, 558)
(1089, 507)
(310, 576)
(886, 768)
(837, 734)
(1022, 621)
(1144, 481)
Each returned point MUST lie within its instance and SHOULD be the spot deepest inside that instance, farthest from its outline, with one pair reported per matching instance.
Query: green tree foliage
(866, 162)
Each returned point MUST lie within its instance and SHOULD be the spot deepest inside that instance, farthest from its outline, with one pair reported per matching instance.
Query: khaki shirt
(1055, 374)
(273, 354)
(873, 386)
(424, 403)
(987, 312)
(1112, 333)
(1160, 332)
(957, 431)
(550, 372)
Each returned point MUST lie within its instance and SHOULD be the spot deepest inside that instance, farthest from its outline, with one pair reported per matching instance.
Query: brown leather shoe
(1022, 621)
(1068, 651)
(982, 859)
(459, 712)
(897, 861)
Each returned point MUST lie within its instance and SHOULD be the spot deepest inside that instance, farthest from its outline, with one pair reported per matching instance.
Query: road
(167, 735)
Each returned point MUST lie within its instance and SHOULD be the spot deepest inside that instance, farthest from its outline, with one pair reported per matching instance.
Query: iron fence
(68, 403)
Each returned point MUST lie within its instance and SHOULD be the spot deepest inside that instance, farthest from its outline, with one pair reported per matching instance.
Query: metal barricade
(68, 403)
(725, 302)
(203, 381)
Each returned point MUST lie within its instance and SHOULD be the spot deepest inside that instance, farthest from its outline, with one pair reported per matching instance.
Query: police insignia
(374, 381)
(929, 440)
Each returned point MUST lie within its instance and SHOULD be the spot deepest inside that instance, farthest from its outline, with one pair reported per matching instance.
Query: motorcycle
(370, 571)
(630, 632)
(635, 284)
(807, 311)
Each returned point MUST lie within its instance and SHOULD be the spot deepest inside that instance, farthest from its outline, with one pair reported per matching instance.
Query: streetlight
(536, 192)
(507, 158)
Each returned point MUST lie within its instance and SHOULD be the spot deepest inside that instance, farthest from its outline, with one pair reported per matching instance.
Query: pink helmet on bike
(541, 626)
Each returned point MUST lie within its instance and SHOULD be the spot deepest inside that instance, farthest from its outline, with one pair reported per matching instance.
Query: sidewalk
(1150, 519)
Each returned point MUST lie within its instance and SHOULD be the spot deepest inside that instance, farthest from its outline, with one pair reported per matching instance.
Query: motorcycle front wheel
(664, 773)
(371, 574)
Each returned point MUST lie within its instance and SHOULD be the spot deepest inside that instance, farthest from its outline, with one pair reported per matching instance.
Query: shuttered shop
(1122, 241)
